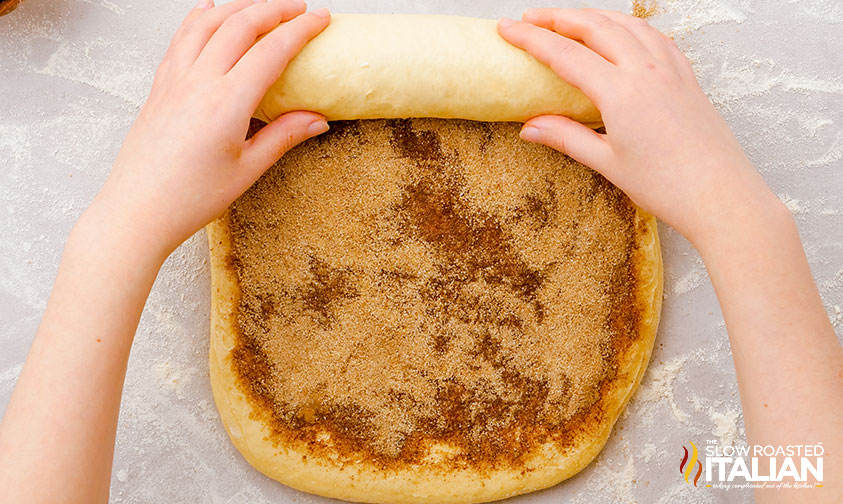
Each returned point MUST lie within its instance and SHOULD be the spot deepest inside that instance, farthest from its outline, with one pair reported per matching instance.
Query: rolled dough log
(366, 66)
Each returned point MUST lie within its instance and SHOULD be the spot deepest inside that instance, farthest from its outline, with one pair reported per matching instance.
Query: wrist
(732, 202)
(111, 236)
(754, 226)
(134, 214)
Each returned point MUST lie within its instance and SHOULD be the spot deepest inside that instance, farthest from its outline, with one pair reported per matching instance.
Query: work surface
(74, 73)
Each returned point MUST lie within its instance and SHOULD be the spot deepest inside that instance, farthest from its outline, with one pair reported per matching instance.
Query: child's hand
(665, 144)
(671, 152)
(185, 159)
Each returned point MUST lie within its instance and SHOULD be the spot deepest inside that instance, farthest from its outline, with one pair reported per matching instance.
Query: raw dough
(384, 66)
(428, 311)
(447, 203)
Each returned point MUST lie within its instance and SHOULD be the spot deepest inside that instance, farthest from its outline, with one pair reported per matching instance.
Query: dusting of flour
(78, 70)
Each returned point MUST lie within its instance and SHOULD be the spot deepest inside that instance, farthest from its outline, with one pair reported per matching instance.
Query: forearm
(57, 436)
(174, 173)
(787, 358)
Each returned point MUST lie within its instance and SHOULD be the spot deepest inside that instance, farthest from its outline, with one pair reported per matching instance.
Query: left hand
(186, 158)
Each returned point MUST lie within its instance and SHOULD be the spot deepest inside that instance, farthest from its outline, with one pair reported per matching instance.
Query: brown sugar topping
(644, 8)
(410, 282)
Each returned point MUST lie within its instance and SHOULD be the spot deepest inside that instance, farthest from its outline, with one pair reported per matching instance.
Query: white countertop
(73, 74)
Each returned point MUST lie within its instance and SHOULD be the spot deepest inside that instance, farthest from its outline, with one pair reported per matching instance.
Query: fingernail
(530, 134)
(529, 11)
(203, 4)
(506, 22)
(323, 12)
(317, 127)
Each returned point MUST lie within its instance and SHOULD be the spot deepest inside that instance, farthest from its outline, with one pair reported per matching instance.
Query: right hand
(665, 145)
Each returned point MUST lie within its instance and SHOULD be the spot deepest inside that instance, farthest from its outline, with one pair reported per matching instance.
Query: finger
(570, 60)
(194, 33)
(263, 64)
(649, 37)
(657, 43)
(239, 32)
(570, 137)
(278, 137)
(193, 15)
(195, 12)
(654, 41)
(600, 33)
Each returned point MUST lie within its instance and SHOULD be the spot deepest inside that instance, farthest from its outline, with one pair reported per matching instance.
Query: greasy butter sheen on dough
(428, 311)
(368, 66)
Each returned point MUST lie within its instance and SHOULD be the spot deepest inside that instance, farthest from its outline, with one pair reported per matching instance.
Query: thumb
(279, 136)
(569, 137)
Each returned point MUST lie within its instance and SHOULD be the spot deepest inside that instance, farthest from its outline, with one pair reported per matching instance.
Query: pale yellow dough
(387, 66)
(368, 66)
(419, 483)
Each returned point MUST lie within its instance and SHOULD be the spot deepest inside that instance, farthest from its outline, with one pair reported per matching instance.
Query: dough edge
(416, 484)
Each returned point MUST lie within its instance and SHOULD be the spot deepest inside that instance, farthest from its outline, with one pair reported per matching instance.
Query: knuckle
(600, 24)
(559, 142)
(276, 45)
(565, 46)
(601, 21)
(240, 21)
(194, 27)
(287, 142)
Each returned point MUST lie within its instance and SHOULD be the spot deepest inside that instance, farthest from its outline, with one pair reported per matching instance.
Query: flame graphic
(686, 466)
